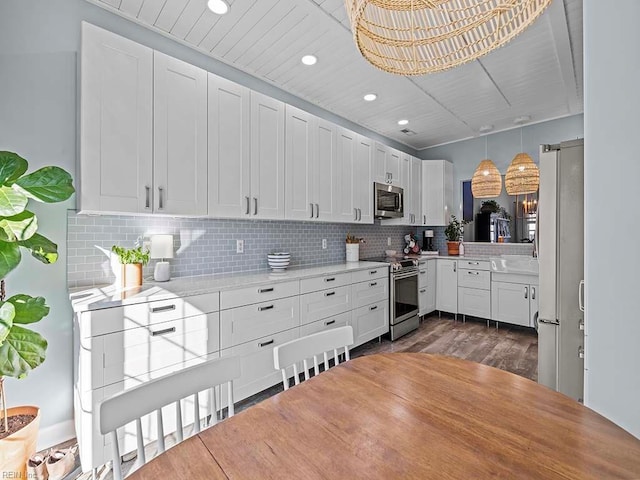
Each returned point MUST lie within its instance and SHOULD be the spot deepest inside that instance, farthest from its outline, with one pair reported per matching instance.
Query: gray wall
(612, 170)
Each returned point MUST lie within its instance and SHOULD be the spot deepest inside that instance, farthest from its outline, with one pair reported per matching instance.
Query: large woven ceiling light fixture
(486, 181)
(523, 175)
(416, 37)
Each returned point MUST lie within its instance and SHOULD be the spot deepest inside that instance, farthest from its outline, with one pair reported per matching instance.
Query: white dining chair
(133, 404)
(302, 349)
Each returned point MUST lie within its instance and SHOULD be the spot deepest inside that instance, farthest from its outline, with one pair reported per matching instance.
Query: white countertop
(108, 296)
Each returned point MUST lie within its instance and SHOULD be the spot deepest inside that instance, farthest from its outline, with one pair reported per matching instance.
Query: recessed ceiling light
(309, 59)
(370, 97)
(521, 120)
(219, 7)
(485, 128)
(403, 122)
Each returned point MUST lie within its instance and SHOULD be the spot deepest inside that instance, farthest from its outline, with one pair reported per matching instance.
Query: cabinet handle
(166, 308)
(424, 219)
(526, 292)
(265, 290)
(581, 295)
(264, 344)
(163, 332)
(373, 308)
(329, 294)
(317, 210)
(423, 290)
(255, 205)
(355, 214)
(160, 199)
(373, 272)
(359, 215)
(580, 352)
(267, 307)
(311, 205)
(473, 263)
(330, 322)
(422, 272)
(373, 284)
(329, 279)
(533, 293)
(248, 205)
(147, 202)
(470, 272)
(454, 266)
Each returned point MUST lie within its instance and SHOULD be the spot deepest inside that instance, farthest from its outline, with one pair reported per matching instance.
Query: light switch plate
(324, 243)
(239, 246)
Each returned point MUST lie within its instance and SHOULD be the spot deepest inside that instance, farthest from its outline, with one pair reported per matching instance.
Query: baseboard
(55, 434)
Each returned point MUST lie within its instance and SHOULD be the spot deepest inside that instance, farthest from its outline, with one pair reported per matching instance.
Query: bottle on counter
(461, 249)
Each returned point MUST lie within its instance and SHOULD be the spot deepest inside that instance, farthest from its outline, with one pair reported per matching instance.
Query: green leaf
(7, 316)
(12, 202)
(9, 257)
(12, 166)
(28, 309)
(48, 184)
(41, 248)
(22, 351)
(19, 227)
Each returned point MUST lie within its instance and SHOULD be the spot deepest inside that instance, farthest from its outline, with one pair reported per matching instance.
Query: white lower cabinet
(318, 305)
(370, 321)
(514, 303)
(447, 285)
(335, 321)
(474, 288)
(426, 287)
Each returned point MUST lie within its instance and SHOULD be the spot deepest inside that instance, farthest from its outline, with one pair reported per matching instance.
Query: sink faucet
(535, 245)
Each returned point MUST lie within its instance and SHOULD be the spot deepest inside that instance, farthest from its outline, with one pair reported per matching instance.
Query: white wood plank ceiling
(539, 74)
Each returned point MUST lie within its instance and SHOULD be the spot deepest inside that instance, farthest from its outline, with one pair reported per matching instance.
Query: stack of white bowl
(278, 261)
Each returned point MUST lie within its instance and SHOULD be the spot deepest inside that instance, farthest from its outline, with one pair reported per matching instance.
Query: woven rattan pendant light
(522, 176)
(416, 37)
(486, 181)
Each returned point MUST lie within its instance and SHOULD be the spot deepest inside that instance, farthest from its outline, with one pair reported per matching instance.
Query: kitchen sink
(522, 264)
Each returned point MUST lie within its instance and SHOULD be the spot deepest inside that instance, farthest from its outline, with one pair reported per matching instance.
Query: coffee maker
(427, 241)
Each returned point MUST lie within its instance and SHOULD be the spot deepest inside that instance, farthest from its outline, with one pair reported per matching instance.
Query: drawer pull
(330, 322)
(473, 263)
(264, 344)
(328, 294)
(473, 273)
(265, 290)
(163, 332)
(267, 307)
(373, 272)
(373, 284)
(329, 279)
(422, 272)
(166, 308)
(423, 290)
(373, 308)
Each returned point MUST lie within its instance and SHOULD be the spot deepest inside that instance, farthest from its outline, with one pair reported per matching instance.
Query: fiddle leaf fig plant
(454, 230)
(22, 349)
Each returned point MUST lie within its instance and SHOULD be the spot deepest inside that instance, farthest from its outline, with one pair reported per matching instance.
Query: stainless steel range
(403, 298)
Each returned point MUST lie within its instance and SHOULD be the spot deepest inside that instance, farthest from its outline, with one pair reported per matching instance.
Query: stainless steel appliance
(560, 248)
(388, 201)
(403, 298)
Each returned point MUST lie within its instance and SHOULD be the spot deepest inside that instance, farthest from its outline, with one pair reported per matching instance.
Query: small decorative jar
(353, 252)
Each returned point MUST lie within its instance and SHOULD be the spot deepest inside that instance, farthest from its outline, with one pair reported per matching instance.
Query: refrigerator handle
(581, 295)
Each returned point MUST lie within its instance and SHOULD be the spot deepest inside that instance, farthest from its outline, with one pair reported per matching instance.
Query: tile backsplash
(208, 246)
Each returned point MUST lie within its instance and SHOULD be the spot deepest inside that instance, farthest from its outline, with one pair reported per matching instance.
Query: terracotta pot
(131, 275)
(453, 248)
(16, 449)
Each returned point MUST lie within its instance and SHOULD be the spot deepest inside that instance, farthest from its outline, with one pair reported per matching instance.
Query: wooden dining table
(408, 416)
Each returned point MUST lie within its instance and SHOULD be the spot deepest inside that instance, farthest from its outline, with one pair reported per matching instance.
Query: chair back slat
(231, 409)
(289, 354)
(160, 425)
(179, 435)
(140, 442)
(115, 455)
(196, 413)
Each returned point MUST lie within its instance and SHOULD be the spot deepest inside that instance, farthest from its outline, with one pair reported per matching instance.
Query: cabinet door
(474, 302)
(180, 137)
(324, 165)
(298, 164)
(116, 107)
(363, 179)
(510, 303)
(447, 286)
(393, 166)
(431, 286)
(370, 322)
(404, 181)
(267, 157)
(345, 176)
(423, 300)
(533, 304)
(437, 199)
(380, 163)
(229, 153)
(416, 191)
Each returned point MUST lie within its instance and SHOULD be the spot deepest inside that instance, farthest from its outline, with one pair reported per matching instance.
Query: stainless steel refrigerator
(560, 247)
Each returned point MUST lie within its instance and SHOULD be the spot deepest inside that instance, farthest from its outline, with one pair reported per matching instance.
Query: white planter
(353, 252)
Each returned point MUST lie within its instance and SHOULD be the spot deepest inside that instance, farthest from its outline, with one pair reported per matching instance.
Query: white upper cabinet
(437, 196)
(180, 137)
(411, 182)
(229, 153)
(345, 175)
(387, 164)
(415, 189)
(116, 109)
(267, 157)
(299, 201)
(323, 171)
(363, 179)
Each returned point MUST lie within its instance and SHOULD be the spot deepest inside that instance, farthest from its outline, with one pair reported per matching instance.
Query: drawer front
(423, 300)
(318, 305)
(474, 264)
(243, 324)
(370, 322)
(256, 362)
(336, 321)
(474, 302)
(109, 320)
(370, 274)
(423, 274)
(326, 281)
(256, 294)
(137, 352)
(366, 293)
(474, 279)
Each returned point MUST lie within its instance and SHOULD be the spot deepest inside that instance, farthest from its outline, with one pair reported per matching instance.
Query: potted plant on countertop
(22, 349)
(132, 260)
(453, 232)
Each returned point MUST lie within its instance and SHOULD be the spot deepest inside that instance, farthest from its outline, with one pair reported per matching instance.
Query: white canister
(353, 252)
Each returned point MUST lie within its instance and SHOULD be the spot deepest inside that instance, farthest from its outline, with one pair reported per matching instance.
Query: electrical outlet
(389, 241)
(324, 243)
(146, 243)
(239, 246)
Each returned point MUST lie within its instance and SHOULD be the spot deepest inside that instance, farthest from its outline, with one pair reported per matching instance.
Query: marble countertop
(108, 296)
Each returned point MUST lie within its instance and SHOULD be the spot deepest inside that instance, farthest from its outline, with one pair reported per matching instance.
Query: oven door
(404, 296)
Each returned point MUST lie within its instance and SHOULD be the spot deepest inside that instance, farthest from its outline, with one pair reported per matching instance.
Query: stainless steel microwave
(388, 201)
